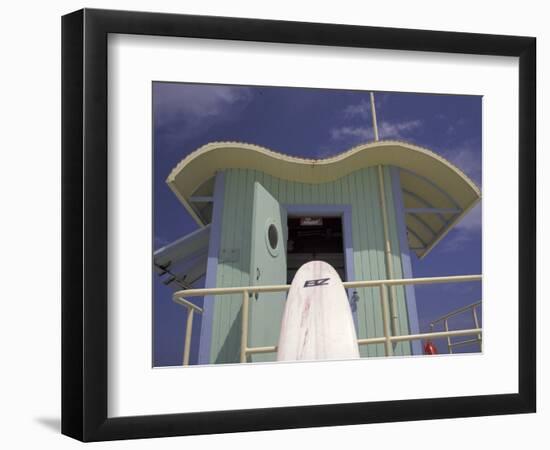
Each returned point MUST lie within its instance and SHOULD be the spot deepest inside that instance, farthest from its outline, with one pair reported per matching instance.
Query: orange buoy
(430, 348)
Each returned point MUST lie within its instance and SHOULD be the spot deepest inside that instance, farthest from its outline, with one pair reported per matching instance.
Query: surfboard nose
(317, 322)
(319, 268)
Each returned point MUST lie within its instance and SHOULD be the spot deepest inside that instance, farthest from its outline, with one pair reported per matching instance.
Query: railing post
(386, 320)
(188, 331)
(244, 326)
(476, 324)
(449, 345)
(388, 250)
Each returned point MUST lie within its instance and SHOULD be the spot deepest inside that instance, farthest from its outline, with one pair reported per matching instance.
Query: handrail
(456, 312)
(445, 319)
(187, 303)
(388, 339)
(346, 284)
(381, 340)
(191, 309)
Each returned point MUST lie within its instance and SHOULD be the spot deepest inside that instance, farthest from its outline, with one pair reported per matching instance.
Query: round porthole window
(272, 237)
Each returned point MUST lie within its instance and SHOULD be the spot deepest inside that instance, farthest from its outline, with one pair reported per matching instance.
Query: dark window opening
(273, 236)
(315, 239)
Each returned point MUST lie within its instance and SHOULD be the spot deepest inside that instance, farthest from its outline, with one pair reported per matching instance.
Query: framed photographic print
(274, 224)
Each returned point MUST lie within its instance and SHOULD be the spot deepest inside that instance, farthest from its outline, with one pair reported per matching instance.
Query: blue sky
(315, 123)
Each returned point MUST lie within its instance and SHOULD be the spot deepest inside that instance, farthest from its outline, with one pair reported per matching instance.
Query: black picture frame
(84, 224)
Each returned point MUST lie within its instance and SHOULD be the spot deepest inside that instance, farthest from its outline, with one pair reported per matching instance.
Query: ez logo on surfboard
(319, 282)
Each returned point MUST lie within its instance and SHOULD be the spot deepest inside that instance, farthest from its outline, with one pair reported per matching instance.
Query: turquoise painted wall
(358, 189)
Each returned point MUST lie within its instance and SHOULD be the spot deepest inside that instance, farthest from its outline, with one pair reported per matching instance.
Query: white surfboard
(317, 322)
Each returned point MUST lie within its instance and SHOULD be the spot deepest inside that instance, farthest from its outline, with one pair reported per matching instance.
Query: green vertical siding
(359, 189)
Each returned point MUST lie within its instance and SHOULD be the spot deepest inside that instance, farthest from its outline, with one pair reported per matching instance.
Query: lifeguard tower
(262, 214)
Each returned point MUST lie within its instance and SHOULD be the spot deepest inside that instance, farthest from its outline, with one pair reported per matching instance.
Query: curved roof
(428, 181)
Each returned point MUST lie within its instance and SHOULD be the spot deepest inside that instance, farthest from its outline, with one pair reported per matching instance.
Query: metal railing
(388, 339)
(191, 309)
(445, 319)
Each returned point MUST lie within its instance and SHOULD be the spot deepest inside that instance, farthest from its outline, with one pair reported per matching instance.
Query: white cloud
(468, 159)
(455, 241)
(361, 109)
(464, 231)
(184, 111)
(397, 130)
(386, 130)
(471, 222)
(364, 131)
(341, 133)
(196, 101)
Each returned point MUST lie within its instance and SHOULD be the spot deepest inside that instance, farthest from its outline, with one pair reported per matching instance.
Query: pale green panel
(235, 262)
(320, 193)
(360, 190)
(366, 309)
(275, 186)
(343, 191)
(335, 192)
(245, 213)
(231, 255)
(283, 192)
(290, 193)
(240, 260)
(377, 246)
(403, 348)
(350, 195)
(268, 183)
(346, 194)
(298, 193)
(376, 242)
(370, 304)
(308, 193)
(359, 251)
(226, 326)
(219, 305)
(262, 325)
(371, 208)
(302, 193)
(268, 267)
(311, 193)
(331, 192)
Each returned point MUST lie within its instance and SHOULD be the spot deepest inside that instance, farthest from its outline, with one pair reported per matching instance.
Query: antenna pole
(373, 111)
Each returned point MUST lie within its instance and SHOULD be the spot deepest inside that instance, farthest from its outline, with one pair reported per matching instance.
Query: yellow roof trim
(202, 164)
(443, 233)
